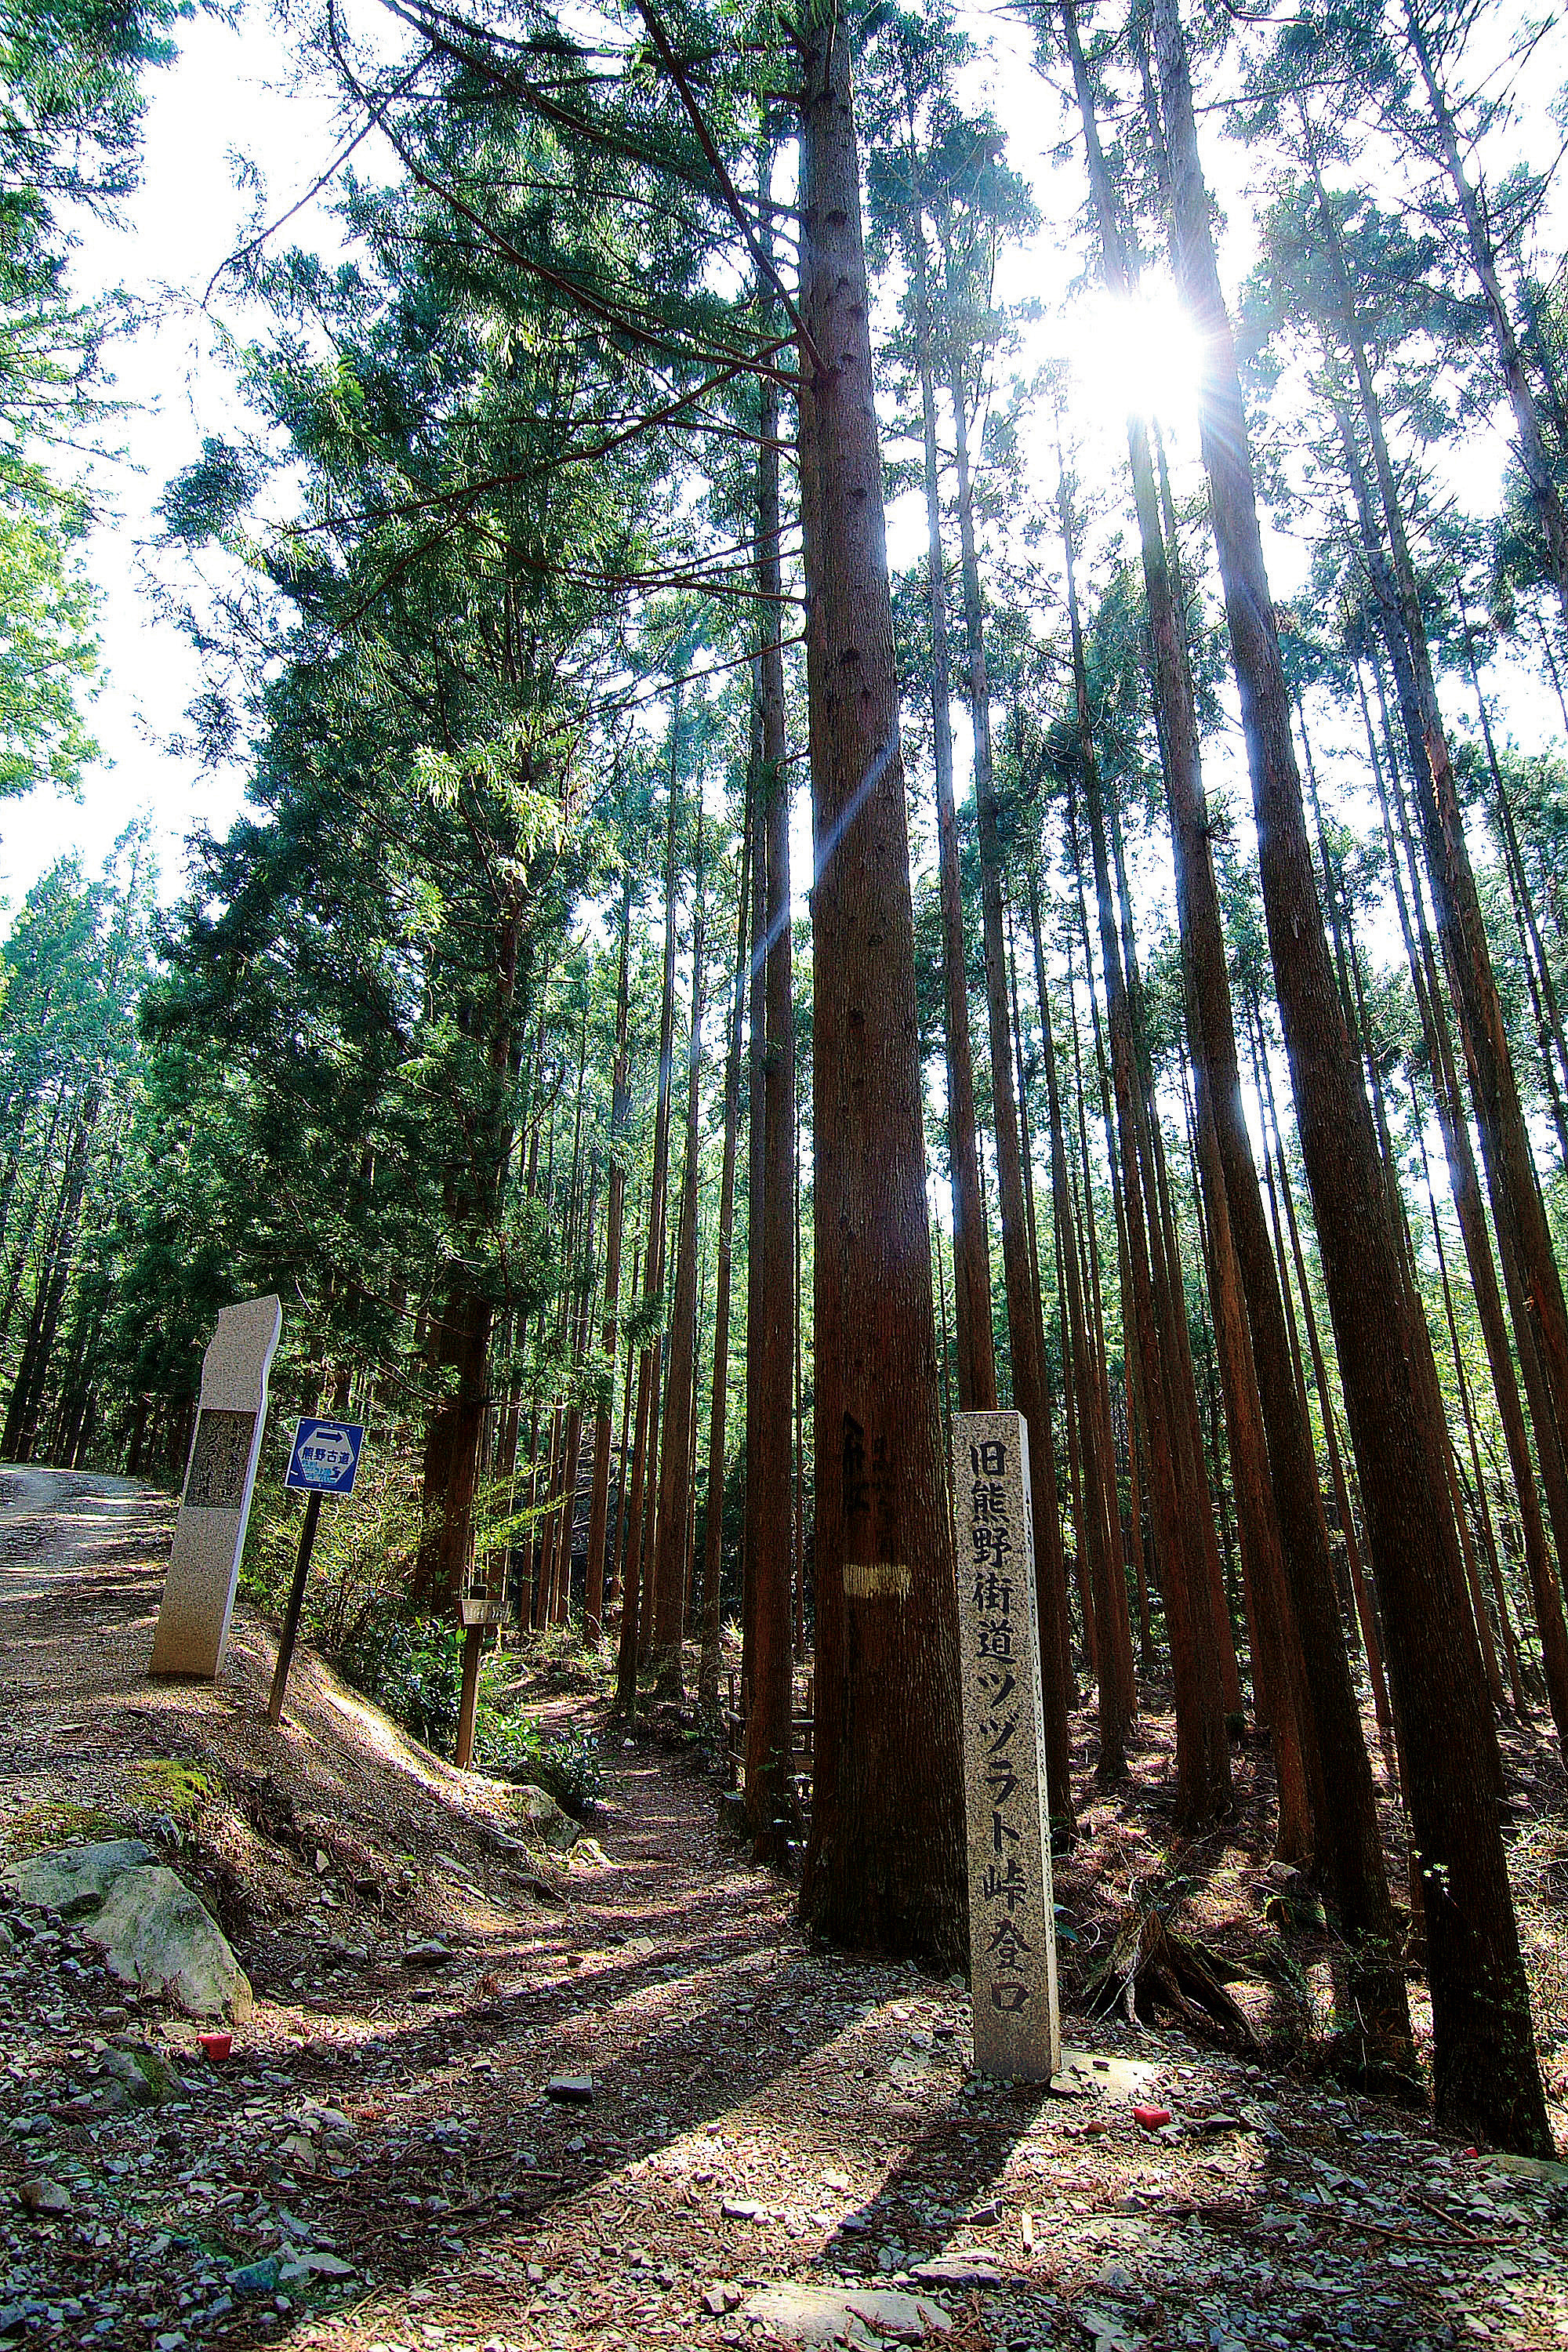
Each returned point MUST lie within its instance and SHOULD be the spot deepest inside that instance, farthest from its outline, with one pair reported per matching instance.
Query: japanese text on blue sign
(325, 1456)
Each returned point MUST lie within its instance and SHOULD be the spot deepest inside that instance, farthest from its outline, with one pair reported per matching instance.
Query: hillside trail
(770, 2136)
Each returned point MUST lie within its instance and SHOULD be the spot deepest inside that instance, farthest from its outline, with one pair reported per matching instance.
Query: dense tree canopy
(1207, 946)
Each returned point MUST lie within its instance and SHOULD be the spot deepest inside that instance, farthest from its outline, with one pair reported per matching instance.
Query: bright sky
(228, 96)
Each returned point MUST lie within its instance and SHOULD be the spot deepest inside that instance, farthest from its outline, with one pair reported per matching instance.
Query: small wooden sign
(482, 1609)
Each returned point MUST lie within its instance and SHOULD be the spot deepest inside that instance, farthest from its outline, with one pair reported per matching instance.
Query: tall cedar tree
(885, 1865)
(1487, 2073)
(1291, 1538)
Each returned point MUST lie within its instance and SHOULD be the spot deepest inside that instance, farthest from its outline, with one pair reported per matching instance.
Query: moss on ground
(171, 1784)
(58, 1822)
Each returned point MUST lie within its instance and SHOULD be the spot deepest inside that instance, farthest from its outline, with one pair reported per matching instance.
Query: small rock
(1109, 2333)
(431, 1954)
(39, 2194)
(314, 2266)
(146, 2078)
(256, 2278)
(546, 1819)
(13, 2317)
(720, 2297)
(858, 2315)
(573, 2090)
(741, 2208)
(957, 2268)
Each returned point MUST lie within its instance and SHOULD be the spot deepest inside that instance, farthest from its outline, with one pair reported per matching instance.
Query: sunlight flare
(1137, 352)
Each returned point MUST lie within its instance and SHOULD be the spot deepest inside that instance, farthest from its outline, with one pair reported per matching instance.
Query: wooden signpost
(477, 1609)
(1012, 1915)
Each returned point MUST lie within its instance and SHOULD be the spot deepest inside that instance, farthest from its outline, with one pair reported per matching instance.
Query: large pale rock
(156, 1934)
(153, 1932)
(860, 2315)
(1540, 2168)
(74, 1878)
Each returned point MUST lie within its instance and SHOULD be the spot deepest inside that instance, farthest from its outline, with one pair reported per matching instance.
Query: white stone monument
(209, 1534)
(1011, 1917)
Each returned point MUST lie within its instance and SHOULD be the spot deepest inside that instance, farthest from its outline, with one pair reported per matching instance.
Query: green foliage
(365, 1543)
(171, 1785)
(71, 971)
(413, 1669)
(569, 1764)
(58, 1820)
(49, 647)
(70, 115)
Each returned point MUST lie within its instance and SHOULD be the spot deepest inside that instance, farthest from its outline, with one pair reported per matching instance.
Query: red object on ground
(1151, 2117)
(217, 2046)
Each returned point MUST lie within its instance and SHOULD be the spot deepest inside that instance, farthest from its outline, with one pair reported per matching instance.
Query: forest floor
(777, 2138)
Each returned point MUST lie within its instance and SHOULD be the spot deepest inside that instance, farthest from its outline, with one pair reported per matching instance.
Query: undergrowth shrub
(570, 1764)
(363, 1565)
(412, 1668)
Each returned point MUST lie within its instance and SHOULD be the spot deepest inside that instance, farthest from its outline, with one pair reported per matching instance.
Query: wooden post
(1011, 1917)
(473, 1641)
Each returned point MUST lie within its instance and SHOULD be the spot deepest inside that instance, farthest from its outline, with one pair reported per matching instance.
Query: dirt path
(53, 1523)
(381, 2163)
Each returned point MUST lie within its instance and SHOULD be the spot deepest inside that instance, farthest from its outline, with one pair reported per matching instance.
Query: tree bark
(1348, 1842)
(1532, 453)
(1025, 1330)
(615, 1216)
(1203, 1754)
(884, 1866)
(680, 1370)
(1524, 1236)
(1486, 2067)
(971, 1256)
(770, 1809)
(1464, 1183)
(1099, 1524)
(717, 1413)
(644, 1443)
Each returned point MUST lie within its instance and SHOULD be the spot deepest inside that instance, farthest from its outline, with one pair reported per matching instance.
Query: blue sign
(325, 1456)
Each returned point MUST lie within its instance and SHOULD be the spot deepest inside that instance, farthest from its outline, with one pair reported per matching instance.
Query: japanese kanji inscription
(1011, 1921)
(209, 1534)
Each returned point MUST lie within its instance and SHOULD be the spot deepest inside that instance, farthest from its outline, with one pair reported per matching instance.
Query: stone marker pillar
(1012, 1919)
(209, 1534)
